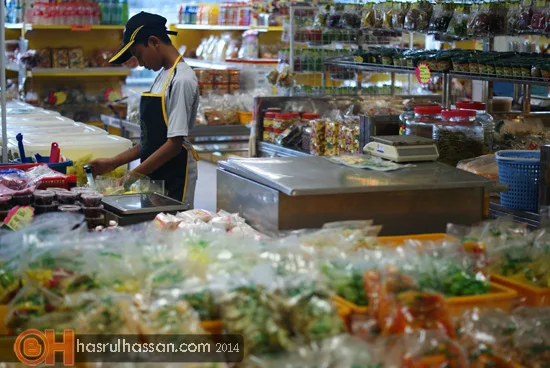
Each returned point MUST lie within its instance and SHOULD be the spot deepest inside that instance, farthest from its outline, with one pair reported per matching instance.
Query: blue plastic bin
(520, 171)
(60, 166)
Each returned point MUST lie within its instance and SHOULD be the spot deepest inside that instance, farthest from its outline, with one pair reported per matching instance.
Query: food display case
(286, 193)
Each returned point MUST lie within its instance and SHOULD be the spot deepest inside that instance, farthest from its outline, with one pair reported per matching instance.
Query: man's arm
(105, 165)
(128, 156)
(165, 153)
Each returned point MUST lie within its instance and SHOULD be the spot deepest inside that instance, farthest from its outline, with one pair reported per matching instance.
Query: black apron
(154, 130)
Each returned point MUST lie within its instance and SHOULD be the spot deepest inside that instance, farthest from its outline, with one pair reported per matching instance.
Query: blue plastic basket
(520, 171)
(59, 166)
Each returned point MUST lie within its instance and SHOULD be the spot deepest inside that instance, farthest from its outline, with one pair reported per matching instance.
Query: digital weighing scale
(136, 208)
(402, 148)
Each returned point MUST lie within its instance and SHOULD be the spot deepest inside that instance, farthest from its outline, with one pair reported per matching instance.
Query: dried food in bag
(60, 58)
(368, 18)
(44, 58)
(458, 26)
(441, 18)
(418, 17)
(539, 20)
(318, 141)
(76, 58)
(526, 15)
(331, 137)
(351, 18)
(399, 14)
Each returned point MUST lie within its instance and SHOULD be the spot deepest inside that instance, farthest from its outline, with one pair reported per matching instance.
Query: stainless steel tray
(133, 204)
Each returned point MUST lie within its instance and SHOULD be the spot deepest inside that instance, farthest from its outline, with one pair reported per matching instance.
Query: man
(167, 112)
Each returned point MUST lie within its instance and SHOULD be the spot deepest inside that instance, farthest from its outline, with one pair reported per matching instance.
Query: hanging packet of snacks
(514, 16)
(458, 26)
(351, 18)
(539, 20)
(526, 15)
(401, 9)
(368, 18)
(318, 140)
(442, 15)
(418, 17)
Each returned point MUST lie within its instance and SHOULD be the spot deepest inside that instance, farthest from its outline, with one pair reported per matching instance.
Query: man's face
(148, 56)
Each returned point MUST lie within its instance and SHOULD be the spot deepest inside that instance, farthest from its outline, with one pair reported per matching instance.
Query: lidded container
(422, 122)
(484, 118)
(459, 136)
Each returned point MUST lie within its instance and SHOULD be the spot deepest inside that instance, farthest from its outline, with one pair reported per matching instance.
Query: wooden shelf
(84, 28)
(207, 27)
(86, 72)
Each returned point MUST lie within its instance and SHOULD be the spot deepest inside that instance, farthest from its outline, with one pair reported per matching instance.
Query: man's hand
(102, 166)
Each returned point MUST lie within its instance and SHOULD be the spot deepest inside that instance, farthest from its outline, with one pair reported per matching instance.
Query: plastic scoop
(19, 138)
(55, 152)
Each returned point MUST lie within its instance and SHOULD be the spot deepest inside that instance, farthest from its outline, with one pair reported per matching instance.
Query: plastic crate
(529, 295)
(520, 171)
(59, 166)
(499, 297)
(400, 240)
(65, 182)
(354, 308)
(213, 327)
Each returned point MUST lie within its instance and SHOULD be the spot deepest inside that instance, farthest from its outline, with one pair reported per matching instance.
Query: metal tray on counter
(133, 204)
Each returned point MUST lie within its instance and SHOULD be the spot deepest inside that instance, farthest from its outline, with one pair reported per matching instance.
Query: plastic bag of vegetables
(532, 339)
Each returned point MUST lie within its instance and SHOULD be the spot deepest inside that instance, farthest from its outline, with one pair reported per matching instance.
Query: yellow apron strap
(195, 154)
(171, 73)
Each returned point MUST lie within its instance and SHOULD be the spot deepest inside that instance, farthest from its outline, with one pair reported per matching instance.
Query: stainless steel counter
(305, 192)
(312, 175)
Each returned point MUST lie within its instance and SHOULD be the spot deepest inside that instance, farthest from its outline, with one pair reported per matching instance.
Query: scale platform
(403, 148)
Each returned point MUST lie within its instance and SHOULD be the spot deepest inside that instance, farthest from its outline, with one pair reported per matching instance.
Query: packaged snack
(331, 137)
(399, 14)
(442, 16)
(318, 139)
(418, 17)
(60, 58)
(44, 58)
(368, 19)
(43, 197)
(76, 58)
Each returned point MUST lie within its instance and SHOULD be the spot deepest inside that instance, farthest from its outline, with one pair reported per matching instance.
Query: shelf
(13, 26)
(274, 150)
(496, 78)
(376, 67)
(80, 28)
(219, 131)
(219, 65)
(206, 27)
(86, 72)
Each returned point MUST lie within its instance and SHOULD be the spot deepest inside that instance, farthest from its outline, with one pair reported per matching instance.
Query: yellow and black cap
(139, 28)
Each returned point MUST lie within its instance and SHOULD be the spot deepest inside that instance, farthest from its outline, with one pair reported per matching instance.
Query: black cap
(140, 27)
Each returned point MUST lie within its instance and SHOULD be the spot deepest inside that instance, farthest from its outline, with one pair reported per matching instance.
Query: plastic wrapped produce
(485, 166)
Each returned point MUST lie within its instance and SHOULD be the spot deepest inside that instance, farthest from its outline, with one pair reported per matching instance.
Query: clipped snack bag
(318, 137)
(331, 135)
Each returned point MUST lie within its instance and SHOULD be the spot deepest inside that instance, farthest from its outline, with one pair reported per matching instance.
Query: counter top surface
(296, 176)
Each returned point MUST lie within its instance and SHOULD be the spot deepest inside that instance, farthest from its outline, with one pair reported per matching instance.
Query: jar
(5, 203)
(307, 117)
(67, 197)
(306, 139)
(91, 199)
(281, 122)
(484, 118)
(422, 123)
(458, 137)
(294, 117)
(43, 197)
(69, 209)
(268, 125)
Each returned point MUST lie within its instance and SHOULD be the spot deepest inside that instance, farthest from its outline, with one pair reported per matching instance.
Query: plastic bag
(418, 17)
(134, 99)
(441, 18)
(458, 26)
(485, 166)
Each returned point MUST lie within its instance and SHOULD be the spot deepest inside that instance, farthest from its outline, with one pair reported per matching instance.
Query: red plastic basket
(66, 181)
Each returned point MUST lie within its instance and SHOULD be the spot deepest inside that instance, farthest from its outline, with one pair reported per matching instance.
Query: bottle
(101, 7)
(125, 12)
(180, 15)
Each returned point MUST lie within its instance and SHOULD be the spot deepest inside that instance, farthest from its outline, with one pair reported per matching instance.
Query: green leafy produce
(346, 282)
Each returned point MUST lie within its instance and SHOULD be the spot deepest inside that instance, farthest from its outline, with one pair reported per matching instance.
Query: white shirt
(181, 98)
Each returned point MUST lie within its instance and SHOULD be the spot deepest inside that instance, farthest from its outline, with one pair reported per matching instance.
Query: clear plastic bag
(441, 18)
(458, 26)
(485, 166)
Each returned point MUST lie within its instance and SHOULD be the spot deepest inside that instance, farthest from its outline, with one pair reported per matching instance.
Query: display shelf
(496, 78)
(53, 27)
(218, 65)
(14, 26)
(375, 67)
(85, 72)
(207, 27)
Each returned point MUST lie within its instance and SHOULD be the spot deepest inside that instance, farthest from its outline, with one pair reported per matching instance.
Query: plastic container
(484, 118)
(268, 120)
(54, 182)
(530, 295)
(95, 222)
(43, 197)
(75, 147)
(520, 171)
(69, 208)
(38, 121)
(39, 210)
(22, 200)
(93, 212)
(307, 117)
(502, 104)
(91, 199)
(400, 240)
(54, 131)
(5, 203)
(423, 121)
(67, 198)
(245, 117)
(499, 297)
(459, 137)
(354, 308)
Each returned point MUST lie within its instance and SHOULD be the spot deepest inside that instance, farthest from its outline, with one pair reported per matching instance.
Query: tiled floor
(205, 191)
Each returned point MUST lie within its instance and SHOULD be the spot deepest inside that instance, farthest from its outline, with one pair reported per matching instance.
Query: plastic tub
(75, 147)
(22, 200)
(39, 121)
(93, 212)
(54, 131)
(69, 209)
(530, 295)
(91, 199)
(502, 104)
(39, 210)
(43, 197)
(67, 197)
(5, 203)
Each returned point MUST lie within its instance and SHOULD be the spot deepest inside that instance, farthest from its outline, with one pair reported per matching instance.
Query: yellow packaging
(332, 138)
(318, 141)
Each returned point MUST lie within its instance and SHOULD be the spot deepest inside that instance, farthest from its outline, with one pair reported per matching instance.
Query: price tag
(81, 28)
(19, 218)
(423, 73)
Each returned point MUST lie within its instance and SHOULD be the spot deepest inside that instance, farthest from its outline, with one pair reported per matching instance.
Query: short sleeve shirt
(181, 99)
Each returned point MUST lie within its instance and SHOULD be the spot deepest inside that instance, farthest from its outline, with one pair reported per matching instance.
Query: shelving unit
(85, 72)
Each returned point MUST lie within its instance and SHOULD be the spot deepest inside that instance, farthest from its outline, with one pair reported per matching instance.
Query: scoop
(90, 175)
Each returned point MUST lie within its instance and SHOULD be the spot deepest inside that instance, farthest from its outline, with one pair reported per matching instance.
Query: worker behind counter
(167, 111)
